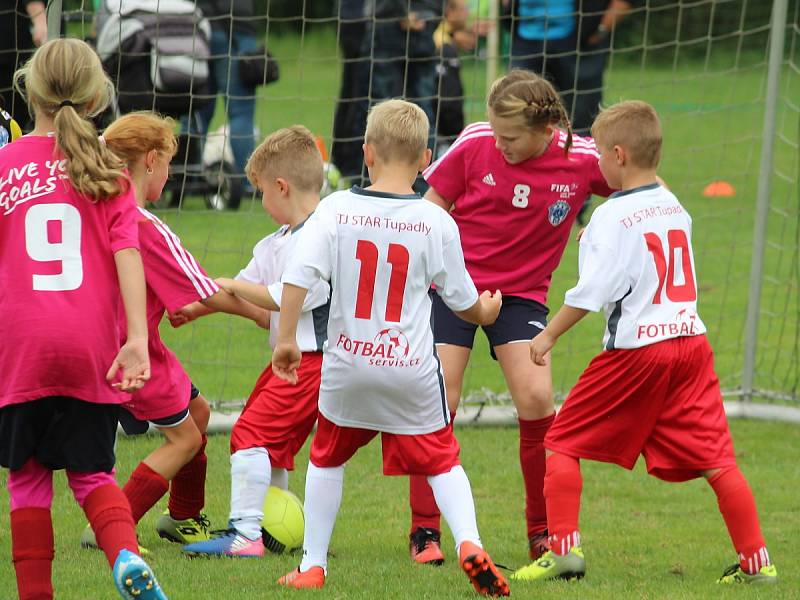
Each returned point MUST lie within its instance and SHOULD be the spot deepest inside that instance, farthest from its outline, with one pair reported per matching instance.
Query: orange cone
(719, 189)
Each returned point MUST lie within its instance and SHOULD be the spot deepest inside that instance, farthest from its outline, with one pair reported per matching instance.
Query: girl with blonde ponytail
(146, 143)
(513, 185)
(69, 261)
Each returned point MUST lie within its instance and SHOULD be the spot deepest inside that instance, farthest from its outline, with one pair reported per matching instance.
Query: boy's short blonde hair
(633, 125)
(290, 153)
(398, 131)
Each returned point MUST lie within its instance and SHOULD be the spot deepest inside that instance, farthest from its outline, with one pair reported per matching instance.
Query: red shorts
(662, 401)
(421, 454)
(279, 416)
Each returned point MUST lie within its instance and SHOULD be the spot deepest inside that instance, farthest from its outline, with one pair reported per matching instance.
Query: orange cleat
(482, 572)
(538, 545)
(424, 546)
(314, 578)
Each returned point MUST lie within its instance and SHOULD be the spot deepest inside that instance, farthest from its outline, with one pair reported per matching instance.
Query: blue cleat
(227, 542)
(134, 578)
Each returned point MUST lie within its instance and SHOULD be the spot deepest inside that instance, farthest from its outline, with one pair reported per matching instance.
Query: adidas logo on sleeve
(488, 179)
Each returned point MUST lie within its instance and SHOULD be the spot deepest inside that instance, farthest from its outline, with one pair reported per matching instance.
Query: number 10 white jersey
(381, 253)
(636, 263)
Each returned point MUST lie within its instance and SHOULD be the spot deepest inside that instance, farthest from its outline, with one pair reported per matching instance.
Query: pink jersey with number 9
(515, 220)
(59, 292)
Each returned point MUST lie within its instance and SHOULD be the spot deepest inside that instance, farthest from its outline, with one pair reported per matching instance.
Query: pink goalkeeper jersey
(59, 292)
(515, 220)
(174, 279)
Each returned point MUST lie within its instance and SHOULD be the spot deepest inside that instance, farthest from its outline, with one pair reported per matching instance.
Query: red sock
(187, 492)
(738, 508)
(109, 513)
(144, 489)
(531, 459)
(562, 491)
(424, 510)
(32, 551)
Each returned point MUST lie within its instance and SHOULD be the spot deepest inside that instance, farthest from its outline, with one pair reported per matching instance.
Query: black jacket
(219, 12)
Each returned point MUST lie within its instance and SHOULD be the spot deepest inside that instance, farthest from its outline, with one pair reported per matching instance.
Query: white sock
(280, 478)
(454, 497)
(323, 498)
(250, 477)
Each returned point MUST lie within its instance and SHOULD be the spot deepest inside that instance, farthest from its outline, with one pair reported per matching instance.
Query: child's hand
(178, 318)
(490, 306)
(285, 361)
(226, 283)
(135, 363)
(540, 347)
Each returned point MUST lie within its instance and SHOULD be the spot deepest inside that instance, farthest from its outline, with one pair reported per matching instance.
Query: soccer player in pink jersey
(146, 143)
(381, 248)
(278, 416)
(69, 256)
(653, 390)
(513, 186)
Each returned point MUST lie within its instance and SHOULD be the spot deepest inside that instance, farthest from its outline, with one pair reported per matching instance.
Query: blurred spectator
(567, 41)
(9, 130)
(403, 52)
(232, 35)
(23, 27)
(351, 109)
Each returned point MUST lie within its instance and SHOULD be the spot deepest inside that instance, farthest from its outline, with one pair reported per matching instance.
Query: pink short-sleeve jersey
(59, 291)
(515, 220)
(174, 279)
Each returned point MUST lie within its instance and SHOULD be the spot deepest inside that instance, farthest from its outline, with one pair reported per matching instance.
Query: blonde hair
(633, 125)
(290, 153)
(65, 81)
(133, 135)
(521, 94)
(397, 130)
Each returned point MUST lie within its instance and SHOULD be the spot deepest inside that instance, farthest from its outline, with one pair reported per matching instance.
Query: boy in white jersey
(381, 248)
(653, 391)
(278, 416)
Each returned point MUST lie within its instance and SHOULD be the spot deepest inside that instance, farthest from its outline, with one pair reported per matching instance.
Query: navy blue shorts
(133, 426)
(520, 320)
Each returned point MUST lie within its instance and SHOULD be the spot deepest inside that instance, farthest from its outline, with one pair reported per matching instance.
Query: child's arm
(286, 356)
(484, 311)
(438, 200)
(566, 317)
(132, 357)
(252, 292)
(226, 302)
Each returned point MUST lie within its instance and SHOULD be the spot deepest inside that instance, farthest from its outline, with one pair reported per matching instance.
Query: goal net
(706, 66)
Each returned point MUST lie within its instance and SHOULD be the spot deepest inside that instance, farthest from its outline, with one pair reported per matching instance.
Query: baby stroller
(157, 53)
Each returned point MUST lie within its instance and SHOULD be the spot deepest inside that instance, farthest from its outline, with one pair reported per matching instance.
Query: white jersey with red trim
(266, 267)
(381, 253)
(636, 263)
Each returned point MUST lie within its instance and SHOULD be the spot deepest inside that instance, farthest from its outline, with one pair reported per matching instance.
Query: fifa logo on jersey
(557, 212)
(389, 348)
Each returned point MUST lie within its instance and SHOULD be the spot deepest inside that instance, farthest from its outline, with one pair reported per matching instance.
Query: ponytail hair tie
(66, 103)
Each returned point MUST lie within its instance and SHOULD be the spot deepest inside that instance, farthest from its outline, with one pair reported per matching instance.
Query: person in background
(351, 108)
(9, 128)
(23, 28)
(233, 34)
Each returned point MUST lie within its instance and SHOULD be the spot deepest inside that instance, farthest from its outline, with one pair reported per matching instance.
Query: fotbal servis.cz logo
(389, 348)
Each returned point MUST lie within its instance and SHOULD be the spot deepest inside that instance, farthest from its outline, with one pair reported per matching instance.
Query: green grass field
(643, 538)
(712, 117)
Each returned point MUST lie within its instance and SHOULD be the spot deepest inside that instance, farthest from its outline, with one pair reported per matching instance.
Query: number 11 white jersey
(636, 263)
(381, 253)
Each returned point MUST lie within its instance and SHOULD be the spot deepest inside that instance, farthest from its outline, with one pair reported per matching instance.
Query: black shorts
(520, 320)
(133, 426)
(60, 433)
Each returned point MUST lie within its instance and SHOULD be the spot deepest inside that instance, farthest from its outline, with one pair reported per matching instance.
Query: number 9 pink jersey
(59, 292)
(381, 253)
(636, 263)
